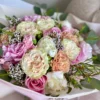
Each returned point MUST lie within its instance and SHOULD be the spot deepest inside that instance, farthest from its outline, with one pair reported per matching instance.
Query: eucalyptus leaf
(50, 11)
(92, 38)
(86, 84)
(37, 10)
(63, 16)
(1, 51)
(4, 75)
(84, 29)
(95, 83)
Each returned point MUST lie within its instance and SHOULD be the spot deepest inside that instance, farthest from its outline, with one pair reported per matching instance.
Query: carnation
(47, 45)
(70, 48)
(27, 28)
(45, 23)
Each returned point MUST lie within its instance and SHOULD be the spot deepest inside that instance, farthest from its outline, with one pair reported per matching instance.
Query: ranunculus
(27, 28)
(13, 52)
(85, 53)
(52, 30)
(61, 62)
(56, 83)
(35, 63)
(47, 45)
(45, 23)
(33, 18)
(37, 85)
(70, 48)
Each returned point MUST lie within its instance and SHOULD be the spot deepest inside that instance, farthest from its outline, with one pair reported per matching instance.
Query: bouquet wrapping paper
(10, 11)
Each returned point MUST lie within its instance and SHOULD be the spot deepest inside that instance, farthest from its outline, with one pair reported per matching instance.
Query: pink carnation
(33, 18)
(37, 85)
(85, 53)
(52, 30)
(15, 52)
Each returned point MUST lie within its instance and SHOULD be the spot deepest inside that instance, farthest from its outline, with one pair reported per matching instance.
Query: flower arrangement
(45, 55)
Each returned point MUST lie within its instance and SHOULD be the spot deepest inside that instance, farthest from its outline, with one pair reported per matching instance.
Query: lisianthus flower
(45, 23)
(35, 63)
(56, 83)
(27, 28)
(37, 85)
(47, 45)
(33, 18)
(61, 62)
(85, 53)
(70, 48)
(52, 30)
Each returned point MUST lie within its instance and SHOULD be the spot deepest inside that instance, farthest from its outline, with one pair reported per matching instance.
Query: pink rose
(33, 18)
(37, 85)
(52, 30)
(85, 53)
(28, 42)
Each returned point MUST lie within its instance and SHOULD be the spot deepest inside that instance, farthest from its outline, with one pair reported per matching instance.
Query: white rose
(56, 83)
(70, 48)
(45, 23)
(47, 45)
(27, 28)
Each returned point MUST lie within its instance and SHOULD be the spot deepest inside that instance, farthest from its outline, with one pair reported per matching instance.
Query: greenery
(1, 52)
(4, 75)
(92, 38)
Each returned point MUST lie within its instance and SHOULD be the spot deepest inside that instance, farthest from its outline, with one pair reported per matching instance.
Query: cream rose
(35, 63)
(56, 83)
(70, 48)
(45, 23)
(47, 45)
(27, 28)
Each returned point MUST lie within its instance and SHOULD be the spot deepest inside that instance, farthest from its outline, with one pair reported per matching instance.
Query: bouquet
(47, 55)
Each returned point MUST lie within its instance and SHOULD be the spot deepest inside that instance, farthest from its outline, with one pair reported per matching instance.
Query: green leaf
(43, 6)
(34, 41)
(50, 11)
(96, 59)
(92, 38)
(86, 84)
(7, 17)
(63, 16)
(95, 83)
(91, 83)
(1, 51)
(4, 75)
(84, 29)
(37, 10)
(1, 26)
(69, 89)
